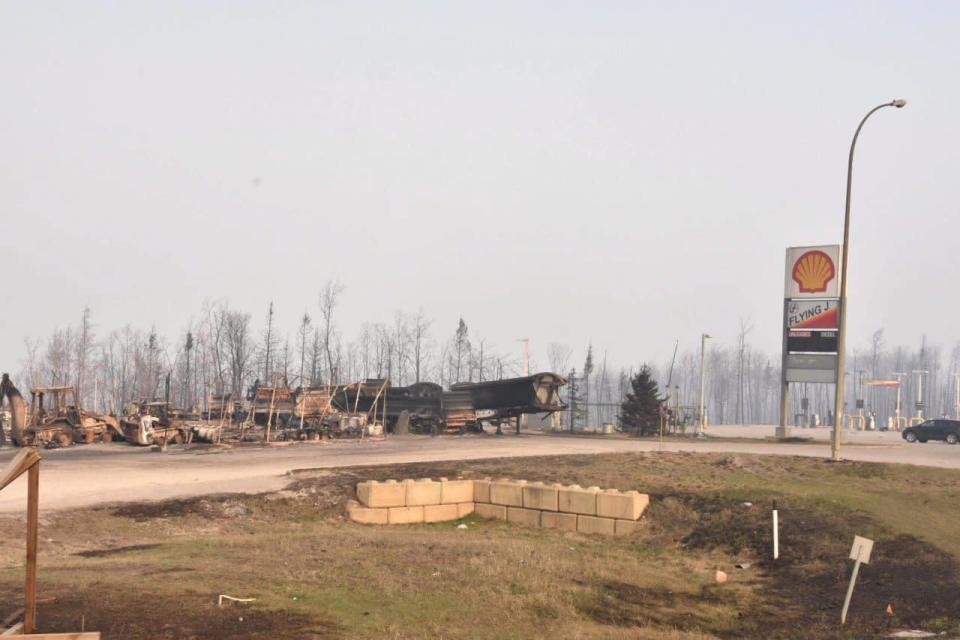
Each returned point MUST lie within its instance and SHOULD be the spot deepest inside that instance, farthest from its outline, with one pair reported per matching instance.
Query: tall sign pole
(783, 430)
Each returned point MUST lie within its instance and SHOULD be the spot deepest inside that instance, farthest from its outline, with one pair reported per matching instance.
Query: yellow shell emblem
(813, 271)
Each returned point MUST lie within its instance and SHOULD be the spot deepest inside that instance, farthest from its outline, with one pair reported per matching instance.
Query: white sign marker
(861, 549)
(859, 553)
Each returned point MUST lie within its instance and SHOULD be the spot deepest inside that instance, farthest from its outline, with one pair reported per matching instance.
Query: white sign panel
(813, 314)
(861, 549)
(813, 272)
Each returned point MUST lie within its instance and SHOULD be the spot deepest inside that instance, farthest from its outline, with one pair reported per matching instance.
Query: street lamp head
(899, 104)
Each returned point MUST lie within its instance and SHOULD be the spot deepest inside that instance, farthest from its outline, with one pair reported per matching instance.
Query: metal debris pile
(369, 408)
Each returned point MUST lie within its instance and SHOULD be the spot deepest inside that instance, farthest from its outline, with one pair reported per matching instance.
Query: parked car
(947, 430)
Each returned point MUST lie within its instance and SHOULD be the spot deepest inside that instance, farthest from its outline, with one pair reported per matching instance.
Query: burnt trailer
(270, 404)
(313, 413)
(496, 400)
(220, 407)
(417, 404)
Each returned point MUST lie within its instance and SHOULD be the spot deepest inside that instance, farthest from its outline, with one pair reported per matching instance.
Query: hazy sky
(627, 173)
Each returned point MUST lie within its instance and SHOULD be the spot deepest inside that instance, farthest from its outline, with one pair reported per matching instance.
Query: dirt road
(98, 474)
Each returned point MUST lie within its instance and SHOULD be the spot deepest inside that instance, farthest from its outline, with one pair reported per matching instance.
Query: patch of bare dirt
(194, 616)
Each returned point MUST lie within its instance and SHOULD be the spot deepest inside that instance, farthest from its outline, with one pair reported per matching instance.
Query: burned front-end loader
(18, 411)
(56, 420)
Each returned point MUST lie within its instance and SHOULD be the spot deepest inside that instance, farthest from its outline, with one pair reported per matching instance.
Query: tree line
(224, 350)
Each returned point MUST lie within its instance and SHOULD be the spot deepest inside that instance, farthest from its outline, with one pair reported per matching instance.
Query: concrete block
(481, 490)
(554, 520)
(465, 509)
(507, 492)
(455, 491)
(625, 527)
(405, 515)
(439, 512)
(576, 499)
(625, 505)
(421, 492)
(381, 494)
(492, 511)
(592, 524)
(537, 495)
(367, 515)
(527, 517)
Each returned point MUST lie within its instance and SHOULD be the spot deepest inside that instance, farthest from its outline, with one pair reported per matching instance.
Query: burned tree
(329, 298)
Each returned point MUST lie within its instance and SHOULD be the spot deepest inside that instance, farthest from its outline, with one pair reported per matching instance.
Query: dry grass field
(155, 570)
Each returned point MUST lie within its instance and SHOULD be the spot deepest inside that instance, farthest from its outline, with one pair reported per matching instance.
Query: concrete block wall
(533, 504)
(411, 501)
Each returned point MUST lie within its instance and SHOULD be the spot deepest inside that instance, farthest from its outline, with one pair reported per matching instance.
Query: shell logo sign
(813, 272)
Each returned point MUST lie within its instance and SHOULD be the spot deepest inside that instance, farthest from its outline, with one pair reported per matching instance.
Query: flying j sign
(812, 314)
(813, 272)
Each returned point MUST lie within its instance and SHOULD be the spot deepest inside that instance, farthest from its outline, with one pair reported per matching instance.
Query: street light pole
(842, 338)
(703, 349)
(956, 398)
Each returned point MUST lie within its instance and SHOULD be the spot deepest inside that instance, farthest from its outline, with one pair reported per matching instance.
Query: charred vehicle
(313, 414)
(16, 412)
(56, 419)
(149, 423)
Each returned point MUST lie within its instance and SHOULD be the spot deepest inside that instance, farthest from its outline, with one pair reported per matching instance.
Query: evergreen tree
(640, 411)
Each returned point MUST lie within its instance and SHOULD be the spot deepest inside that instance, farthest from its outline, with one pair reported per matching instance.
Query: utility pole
(701, 423)
(526, 355)
(522, 421)
(676, 412)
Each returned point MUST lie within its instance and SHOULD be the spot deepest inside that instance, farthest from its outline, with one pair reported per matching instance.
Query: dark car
(948, 430)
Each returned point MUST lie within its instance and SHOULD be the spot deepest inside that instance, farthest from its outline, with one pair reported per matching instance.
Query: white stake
(862, 547)
(776, 533)
(853, 581)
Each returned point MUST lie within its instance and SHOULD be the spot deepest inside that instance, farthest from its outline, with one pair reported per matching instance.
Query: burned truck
(148, 423)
